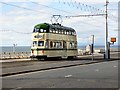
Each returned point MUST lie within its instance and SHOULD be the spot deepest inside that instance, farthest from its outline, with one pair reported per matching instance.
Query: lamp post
(14, 45)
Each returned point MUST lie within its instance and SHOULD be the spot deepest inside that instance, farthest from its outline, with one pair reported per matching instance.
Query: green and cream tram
(53, 40)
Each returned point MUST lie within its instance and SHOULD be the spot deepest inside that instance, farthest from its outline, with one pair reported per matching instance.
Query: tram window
(72, 44)
(40, 43)
(56, 31)
(65, 32)
(54, 44)
(34, 43)
(64, 44)
(69, 32)
(62, 32)
(75, 44)
(45, 30)
(57, 45)
(41, 30)
(74, 33)
(60, 45)
(51, 44)
(36, 30)
(47, 44)
(51, 30)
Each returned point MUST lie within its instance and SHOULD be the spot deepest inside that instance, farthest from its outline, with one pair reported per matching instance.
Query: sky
(18, 18)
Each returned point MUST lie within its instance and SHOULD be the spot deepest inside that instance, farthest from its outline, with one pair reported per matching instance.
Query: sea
(16, 49)
(28, 48)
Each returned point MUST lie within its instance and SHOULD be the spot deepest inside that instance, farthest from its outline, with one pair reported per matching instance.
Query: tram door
(65, 48)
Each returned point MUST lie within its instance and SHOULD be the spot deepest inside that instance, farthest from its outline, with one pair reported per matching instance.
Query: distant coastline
(28, 48)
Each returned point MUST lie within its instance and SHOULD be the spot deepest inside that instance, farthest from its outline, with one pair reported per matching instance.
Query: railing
(14, 55)
(18, 55)
(100, 51)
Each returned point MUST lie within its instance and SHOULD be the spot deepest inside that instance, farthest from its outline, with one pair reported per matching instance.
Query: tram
(53, 40)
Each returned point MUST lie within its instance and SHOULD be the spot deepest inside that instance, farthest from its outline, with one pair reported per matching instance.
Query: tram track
(24, 63)
(48, 68)
(36, 66)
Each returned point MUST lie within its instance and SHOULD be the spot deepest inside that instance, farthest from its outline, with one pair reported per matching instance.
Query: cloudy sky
(18, 18)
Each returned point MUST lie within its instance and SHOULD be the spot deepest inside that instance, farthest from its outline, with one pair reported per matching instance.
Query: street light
(14, 45)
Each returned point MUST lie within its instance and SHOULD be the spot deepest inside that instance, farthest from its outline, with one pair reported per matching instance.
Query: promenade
(14, 55)
(24, 55)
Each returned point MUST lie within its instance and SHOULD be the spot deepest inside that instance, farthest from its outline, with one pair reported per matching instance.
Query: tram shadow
(74, 59)
(85, 57)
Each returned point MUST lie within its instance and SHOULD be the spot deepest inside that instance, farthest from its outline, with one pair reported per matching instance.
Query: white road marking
(84, 65)
(17, 88)
(67, 76)
(15, 60)
(78, 80)
(97, 70)
(114, 66)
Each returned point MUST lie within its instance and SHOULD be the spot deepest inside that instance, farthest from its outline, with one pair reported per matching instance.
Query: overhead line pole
(106, 32)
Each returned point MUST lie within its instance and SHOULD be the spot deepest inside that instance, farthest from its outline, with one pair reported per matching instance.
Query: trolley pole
(106, 33)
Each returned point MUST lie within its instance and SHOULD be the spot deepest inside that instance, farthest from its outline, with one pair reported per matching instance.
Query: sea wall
(18, 55)
(14, 55)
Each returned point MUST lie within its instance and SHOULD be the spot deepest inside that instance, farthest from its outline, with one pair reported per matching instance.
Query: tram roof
(47, 26)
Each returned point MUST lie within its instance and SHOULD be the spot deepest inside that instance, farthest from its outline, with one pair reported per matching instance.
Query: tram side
(53, 41)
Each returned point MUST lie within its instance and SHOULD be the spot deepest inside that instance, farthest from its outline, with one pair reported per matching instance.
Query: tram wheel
(70, 57)
(42, 58)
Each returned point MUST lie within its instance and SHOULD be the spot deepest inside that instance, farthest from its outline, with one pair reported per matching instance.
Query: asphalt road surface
(98, 75)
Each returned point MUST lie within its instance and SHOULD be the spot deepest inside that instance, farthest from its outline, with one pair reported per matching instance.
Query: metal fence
(14, 55)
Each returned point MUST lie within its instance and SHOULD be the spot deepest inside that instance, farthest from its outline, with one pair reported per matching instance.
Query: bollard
(22, 55)
(4, 55)
(9, 55)
(104, 55)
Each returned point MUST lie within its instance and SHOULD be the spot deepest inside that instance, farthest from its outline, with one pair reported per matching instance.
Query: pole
(14, 45)
(92, 47)
(106, 33)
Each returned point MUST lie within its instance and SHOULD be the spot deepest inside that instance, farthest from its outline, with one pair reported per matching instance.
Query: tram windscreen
(36, 30)
(40, 43)
(41, 28)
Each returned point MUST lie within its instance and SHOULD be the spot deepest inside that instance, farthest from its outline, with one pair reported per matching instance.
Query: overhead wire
(91, 12)
(50, 7)
(24, 8)
(37, 10)
(81, 4)
(14, 31)
(90, 8)
(31, 9)
(60, 10)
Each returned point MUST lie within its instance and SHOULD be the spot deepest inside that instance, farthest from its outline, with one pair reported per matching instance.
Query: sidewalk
(29, 59)
(14, 60)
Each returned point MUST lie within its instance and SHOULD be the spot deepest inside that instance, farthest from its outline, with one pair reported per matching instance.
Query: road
(97, 75)
(23, 65)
